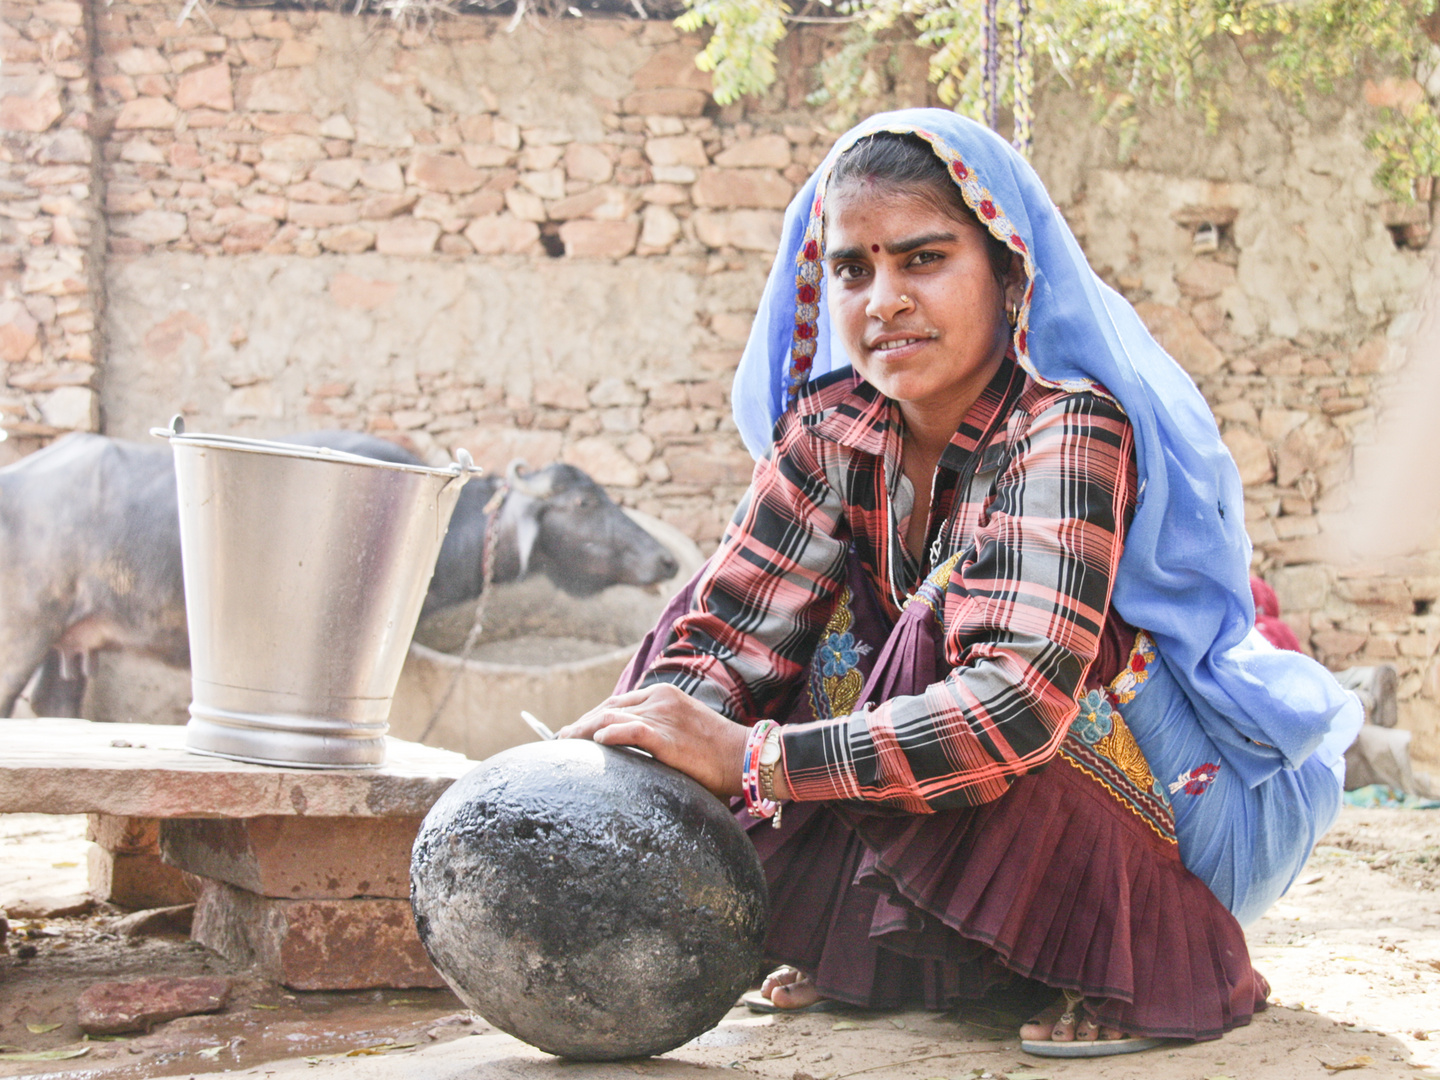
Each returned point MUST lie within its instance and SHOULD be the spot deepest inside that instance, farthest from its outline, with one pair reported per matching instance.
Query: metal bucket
(305, 572)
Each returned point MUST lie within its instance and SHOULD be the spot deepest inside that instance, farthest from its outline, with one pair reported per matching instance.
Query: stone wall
(1294, 328)
(544, 244)
(549, 243)
(51, 233)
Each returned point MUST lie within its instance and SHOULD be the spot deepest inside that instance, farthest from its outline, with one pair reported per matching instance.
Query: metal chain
(487, 574)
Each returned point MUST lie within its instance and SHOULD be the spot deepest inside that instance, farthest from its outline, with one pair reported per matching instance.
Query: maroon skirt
(1071, 879)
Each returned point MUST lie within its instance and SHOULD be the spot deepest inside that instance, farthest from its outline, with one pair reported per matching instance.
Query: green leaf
(41, 1029)
(844, 1025)
(45, 1055)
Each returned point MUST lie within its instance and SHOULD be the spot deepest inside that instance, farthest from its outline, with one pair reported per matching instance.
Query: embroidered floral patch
(1123, 687)
(1095, 719)
(838, 654)
(835, 676)
(1196, 781)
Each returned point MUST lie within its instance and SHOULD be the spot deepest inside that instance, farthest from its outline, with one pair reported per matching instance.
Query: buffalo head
(577, 536)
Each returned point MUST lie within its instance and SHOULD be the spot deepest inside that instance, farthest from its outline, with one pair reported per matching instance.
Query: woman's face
(913, 297)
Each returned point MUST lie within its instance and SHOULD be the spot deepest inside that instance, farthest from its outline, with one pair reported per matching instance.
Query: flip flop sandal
(1092, 1048)
(1085, 1048)
(756, 1002)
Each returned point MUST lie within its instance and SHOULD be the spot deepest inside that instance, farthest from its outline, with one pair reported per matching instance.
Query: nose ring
(906, 300)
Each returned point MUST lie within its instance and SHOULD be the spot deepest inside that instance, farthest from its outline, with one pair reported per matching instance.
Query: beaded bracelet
(755, 802)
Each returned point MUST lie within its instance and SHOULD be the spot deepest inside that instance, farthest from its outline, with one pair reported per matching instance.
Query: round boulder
(588, 900)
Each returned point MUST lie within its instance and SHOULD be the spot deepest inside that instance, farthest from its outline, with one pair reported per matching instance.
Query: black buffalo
(90, 553)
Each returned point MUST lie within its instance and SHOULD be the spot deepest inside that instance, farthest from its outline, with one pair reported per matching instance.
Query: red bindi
(875, 247)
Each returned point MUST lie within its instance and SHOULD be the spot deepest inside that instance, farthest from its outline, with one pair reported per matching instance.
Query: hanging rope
(990, 71)
(477, 624)
(1023, 83)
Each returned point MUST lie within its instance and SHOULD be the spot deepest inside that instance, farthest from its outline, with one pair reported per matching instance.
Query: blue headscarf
(1184, 575)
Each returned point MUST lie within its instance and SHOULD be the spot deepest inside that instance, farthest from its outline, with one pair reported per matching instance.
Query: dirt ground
(1353, 954)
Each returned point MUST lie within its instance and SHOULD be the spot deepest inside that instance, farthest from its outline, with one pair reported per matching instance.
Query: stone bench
(304, 873)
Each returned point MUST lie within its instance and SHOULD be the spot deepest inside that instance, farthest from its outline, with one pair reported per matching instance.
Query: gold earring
(1012, 316)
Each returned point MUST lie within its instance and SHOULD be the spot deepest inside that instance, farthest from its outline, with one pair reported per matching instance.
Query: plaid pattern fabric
(1035, 492)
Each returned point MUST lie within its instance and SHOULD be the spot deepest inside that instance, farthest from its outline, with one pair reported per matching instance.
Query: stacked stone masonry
(549, 244)
(51, 232)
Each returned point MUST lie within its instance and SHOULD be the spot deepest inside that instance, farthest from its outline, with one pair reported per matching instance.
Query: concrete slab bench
(302, 872)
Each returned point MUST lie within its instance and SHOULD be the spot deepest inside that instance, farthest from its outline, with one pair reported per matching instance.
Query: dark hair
(904, 162)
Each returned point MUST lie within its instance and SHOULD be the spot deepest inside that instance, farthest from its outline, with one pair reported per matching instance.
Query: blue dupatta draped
(1184, 574)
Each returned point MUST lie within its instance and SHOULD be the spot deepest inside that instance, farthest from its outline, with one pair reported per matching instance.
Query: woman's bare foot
(789, 988)
(1061, 1023)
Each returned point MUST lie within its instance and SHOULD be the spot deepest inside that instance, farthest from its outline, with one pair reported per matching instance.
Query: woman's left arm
(1024, 611)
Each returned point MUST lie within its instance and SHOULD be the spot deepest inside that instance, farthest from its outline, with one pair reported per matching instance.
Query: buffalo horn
(534, 485)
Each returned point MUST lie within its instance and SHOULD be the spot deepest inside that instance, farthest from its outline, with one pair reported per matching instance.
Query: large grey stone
(589, 900)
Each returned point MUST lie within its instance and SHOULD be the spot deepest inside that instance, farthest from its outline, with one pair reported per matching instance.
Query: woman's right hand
(674, 727)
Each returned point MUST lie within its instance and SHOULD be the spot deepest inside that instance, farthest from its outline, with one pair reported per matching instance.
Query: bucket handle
(462, 467)
(177, 427)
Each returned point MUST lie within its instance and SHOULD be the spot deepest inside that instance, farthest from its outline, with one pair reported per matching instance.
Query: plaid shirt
(1034, 491)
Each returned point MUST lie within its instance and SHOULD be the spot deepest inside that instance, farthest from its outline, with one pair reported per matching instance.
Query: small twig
(515, 19)
(640, 9)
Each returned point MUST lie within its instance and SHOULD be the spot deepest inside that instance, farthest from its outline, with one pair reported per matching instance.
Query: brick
(406, 236)
(761, 152)
(604, 461)
(33, 114)
(708, 467)
(380, 207)
(151, 226)
(140, 880)
(666, 101)
(671, 66)
(114, 1008)
(279, 91)
(589, 163)
(338, 127)
(382, 176)
(1205, 278)
(292, 148)
(495, 447)
(677, 150)
(659, 229)
(19, 332)
(296, 857)
(60, 11)
(124, 835)
(1181, 338)
(146, 112)
(1251, 454)
(206, 87)
(315, 944)
(762, 189)
(342, 174)
(347, 239)
(250, 233)
(548, 183)
(286, 123)
(502, 234)
(138, 61)
(319, 216)
(748, 230)
(480, 204)
(447, 173)
(599, 239)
